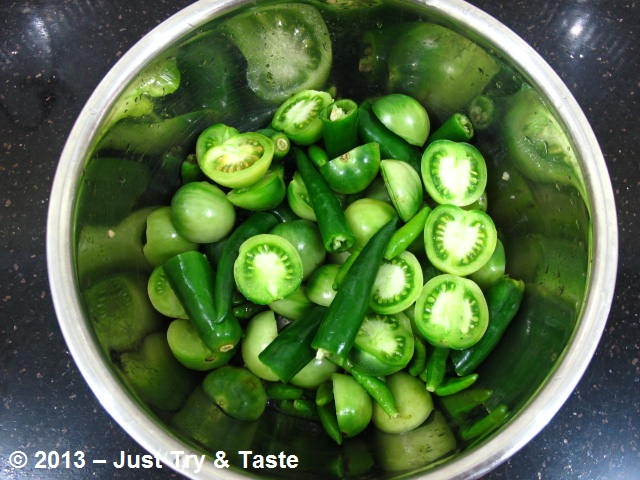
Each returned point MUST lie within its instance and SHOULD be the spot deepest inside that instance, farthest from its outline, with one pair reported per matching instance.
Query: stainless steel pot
(559, 372)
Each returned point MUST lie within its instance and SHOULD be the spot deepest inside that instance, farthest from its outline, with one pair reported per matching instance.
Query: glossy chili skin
(291, 350)
(371, 129)
(336, 235)
(503, 299)
(340, 130)
(192, 279)
(259, 222)
(339, 328)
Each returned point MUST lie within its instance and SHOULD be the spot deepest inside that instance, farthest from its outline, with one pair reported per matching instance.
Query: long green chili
(503, 299)
(457, 128)
(336, 234)
(259, 222)
(338, 329)
(290, 351)
(192, 279)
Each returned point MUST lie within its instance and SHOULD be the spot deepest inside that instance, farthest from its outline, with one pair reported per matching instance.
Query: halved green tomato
(404, 186)
(299, 116)
(189, 349)
(354, 170)
(403, 115)
(213, 136)
(383, 345)
(397, 285)
(298, 198)
(162, 296)
(354, 407)
(239, 161)
(268, 268)
(287, 47)
(451, 312)
(265, 194)
(453, 172)
(459, 241)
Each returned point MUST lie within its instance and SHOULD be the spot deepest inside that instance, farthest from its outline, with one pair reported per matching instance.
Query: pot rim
(532, 418)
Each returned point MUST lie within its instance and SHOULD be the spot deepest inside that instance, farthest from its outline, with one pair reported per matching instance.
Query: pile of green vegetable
(328, 254)
(337, 265)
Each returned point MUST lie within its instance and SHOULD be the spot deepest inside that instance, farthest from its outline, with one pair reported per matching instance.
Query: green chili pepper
(344, 268)
(461, 405)
(246, 310)
(257, 223)
(436, 368)
(503, 299)
(340, 126)
(290, 351)
(455, 385)
(339, 328)
(457, 127)
(298, 407)
(281, 143)
(486, 424)
(406, 234)
(378, 390)
(192, 279)
(371, 129)
(324, 394)
(336, 235)
(482, 112)
(419, 359)
(327, 414)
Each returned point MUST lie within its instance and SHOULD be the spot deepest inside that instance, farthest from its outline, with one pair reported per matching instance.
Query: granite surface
(52, 55)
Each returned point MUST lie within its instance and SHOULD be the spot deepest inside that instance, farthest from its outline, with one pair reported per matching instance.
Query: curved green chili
(378, 390)
(290, 351)
(259, 222)
(454, 385)
(336, 234)
(340, 127)
(486, 424)
(370, 129)
(436, 368)
(457, 127)
(419, 360)
(342, 321)
(281, 142)
(192, 279)
(406, 234)
(503, 299)
(461, 405)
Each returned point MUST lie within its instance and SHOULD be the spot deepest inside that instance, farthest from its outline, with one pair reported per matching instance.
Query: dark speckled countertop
(52, 55)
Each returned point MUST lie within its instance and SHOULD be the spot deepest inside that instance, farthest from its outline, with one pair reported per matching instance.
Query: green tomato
(213, 136)
(384, 344)
(265, 194)
(493, 270)
(268, 268)
(459, 241)
(314, 373)
(454, 173)
(404, 187)
(162, 296)
(237, 391)
(239, 161)
(366, 216)
(287, 48)
(440, 68)
(189, 349)
(305, 237)
(298, 198)
(299, 116)
(163, 239)
(321, 282)
(354, 170)
(404, 116)
(413, 401)
(260, 332)
(451, 312)
(202, 213)
(353, 404)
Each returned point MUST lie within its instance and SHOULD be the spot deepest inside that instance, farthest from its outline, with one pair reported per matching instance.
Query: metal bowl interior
(566, 227)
